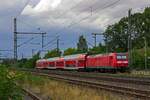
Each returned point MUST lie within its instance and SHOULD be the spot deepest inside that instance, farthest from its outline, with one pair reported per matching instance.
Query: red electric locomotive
(102, 62)
(111, 61)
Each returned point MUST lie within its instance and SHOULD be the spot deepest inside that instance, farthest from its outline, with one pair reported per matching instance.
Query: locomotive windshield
(121, 56)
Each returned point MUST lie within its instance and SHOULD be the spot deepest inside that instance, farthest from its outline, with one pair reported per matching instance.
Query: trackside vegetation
(49, 89)
(8, 88)
(139, 59)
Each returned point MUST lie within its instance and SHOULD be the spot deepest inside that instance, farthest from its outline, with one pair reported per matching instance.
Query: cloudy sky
(64, 18)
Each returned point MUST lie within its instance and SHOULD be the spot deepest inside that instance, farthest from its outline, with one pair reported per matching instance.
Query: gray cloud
(66, 18)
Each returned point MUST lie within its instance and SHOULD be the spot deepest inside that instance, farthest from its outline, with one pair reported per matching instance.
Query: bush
(8, 88)
(139, 58)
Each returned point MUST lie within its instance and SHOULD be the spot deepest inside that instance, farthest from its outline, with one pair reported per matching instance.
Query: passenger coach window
(81, 61)
(70, 65)
(51, 65)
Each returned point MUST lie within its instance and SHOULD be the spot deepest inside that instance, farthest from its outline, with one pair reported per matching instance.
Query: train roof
(54, 58)
(110, 54)
(41, 60)
(76, 56)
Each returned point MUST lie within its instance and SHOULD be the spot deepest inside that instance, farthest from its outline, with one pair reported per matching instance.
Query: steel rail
(131, 80)
(31, 94)
(144, 94)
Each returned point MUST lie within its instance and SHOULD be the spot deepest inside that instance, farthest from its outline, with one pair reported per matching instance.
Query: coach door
(81, 63)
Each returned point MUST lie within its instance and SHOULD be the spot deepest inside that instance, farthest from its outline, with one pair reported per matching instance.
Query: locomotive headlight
(119, 62)
(124, 62)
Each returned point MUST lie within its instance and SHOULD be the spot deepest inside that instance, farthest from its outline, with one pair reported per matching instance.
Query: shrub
(8, 88)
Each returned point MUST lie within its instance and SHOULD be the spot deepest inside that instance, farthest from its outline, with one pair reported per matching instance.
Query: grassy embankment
(141, 73)
(57, 90)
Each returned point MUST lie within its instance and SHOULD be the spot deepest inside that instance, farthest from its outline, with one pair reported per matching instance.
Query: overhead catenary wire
(26, 24)
(29, 39)
(35, 43)
(90, 44)
(66, 11)
(50, 41)
(31, 25)
(91, 8)
(72, 24)
(52, 45)
(25, 42)
(6, 50)
(107, 6)
(81, 19)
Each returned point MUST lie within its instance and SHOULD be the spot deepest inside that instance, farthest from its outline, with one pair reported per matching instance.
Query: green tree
(70, 51)
(139, 58)
(97, 50)
(53, 53)
(21, 63)
(116, 35)
(30, 63)
(82, 46)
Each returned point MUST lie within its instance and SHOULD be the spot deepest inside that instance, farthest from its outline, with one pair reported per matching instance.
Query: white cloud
(45, 5)
(42, 6)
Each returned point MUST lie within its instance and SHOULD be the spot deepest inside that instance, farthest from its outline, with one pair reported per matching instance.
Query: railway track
(96, 76)
(30, 94)
(137, 87)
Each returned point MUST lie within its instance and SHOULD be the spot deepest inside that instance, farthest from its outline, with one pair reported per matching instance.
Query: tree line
(82, 47)
(117, 34)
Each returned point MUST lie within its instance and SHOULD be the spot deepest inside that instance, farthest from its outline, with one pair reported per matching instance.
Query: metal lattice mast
(17, 33)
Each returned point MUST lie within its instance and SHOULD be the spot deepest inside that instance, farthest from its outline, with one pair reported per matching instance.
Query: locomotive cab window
(121, 57)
